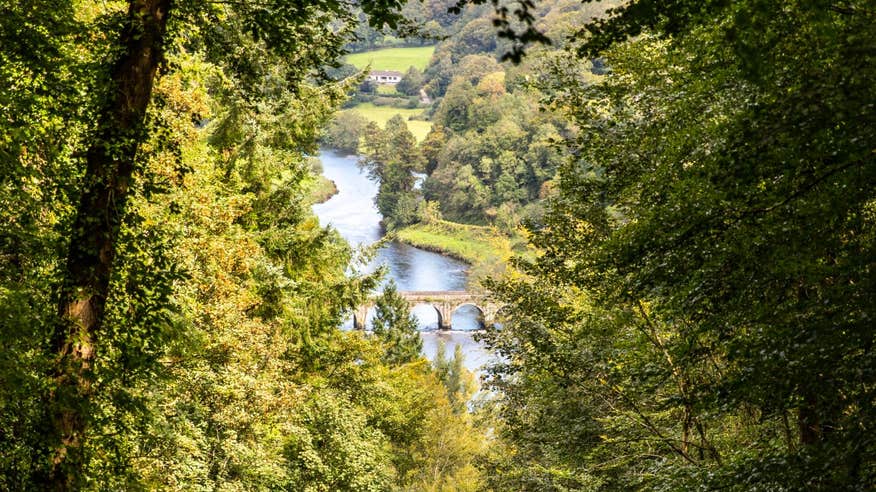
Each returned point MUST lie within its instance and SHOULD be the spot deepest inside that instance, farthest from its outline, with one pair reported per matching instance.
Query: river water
(353, 213)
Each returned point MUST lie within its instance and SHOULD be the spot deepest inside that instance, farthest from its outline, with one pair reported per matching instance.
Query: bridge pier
(445, 313)
(489, 313)
(360, 317)
(444, 302)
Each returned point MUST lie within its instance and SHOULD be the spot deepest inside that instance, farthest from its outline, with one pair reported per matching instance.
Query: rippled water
(353, 213)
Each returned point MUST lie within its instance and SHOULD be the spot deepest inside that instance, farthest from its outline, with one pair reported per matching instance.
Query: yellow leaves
(492, 84)
(310, 224)
(89, 11)
(184, 90)
(581, 227)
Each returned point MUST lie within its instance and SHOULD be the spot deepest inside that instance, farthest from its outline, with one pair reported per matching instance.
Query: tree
(492, 84)
(345, 131)
(108, 153)
(404, 144)
(477, 36)
(411, 83)
(368, 86)
(457, 379)
(452, 112)
(396, 327)
(702, 293)
(475, 67)
(431, 147)
(110, 163)
(438, 74)
(335, 449)
(460, 381)
(391, 157)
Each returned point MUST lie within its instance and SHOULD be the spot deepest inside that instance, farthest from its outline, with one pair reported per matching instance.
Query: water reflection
(475, 355)
(427, 315)
(353, 213)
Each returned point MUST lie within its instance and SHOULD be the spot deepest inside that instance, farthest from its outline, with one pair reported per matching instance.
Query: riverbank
(353, 215)
(321, 190)
(475, 245)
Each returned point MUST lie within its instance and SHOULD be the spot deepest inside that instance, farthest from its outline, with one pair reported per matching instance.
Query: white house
(385, 76)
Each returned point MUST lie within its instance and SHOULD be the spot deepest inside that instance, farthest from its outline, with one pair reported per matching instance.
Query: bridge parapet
(444, 303)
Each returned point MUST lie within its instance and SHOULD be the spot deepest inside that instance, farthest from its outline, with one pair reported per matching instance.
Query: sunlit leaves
(716, 212)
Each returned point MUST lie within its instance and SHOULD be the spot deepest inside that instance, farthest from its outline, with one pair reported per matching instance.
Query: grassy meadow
(472, 244)
(320, 190)
(382, 114)
(399, 59)
(387, 90)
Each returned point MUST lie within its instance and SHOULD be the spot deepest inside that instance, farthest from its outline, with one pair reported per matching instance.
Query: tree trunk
(808, 421)
(110, 161)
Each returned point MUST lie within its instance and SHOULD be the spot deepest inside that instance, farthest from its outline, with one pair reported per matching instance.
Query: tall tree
(391, 156)
(705, 293)
(126, 72)
(110, 161)
(396, 327)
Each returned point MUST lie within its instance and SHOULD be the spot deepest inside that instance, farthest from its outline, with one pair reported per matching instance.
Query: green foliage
(345, 131)
(700, 315)
(395, 326)
(412, 82)
(550, 23)
(477, 36)
(256, 263)
(492, 150)
(429, 444)
(458, 381)
(335, 449)
(453, 110)
(213, 359)
(391, 156)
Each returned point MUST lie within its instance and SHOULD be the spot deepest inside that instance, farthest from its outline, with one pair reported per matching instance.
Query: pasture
(399, 59)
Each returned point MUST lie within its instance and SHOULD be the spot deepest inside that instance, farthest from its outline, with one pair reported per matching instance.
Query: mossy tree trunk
(110, 158)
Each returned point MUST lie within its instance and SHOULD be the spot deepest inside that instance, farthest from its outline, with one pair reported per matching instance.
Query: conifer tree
(396, 327)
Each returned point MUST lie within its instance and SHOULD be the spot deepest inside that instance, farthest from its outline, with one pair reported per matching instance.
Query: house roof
(386, 73)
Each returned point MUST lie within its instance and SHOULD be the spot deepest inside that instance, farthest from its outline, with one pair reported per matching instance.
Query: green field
(320, 189)
(386, 90)
(382, 114)
(472, 244)
(399, 59)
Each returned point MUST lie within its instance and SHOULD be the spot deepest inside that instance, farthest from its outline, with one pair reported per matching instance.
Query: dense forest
(689, 187)
(491, 155)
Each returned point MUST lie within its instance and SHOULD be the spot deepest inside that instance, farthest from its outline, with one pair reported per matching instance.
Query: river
(353, 213)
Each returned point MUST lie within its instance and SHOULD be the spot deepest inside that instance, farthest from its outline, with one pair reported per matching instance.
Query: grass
(399, 59)
(321, 189)
(472, 244)
(386, 90)
(382, 114)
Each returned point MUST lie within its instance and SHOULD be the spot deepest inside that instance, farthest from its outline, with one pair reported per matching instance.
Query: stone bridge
(445, 303)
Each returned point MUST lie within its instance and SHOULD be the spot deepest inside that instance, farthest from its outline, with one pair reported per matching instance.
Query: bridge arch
(444, 303)
(482, 315)
(430, 306)
(360, 316)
